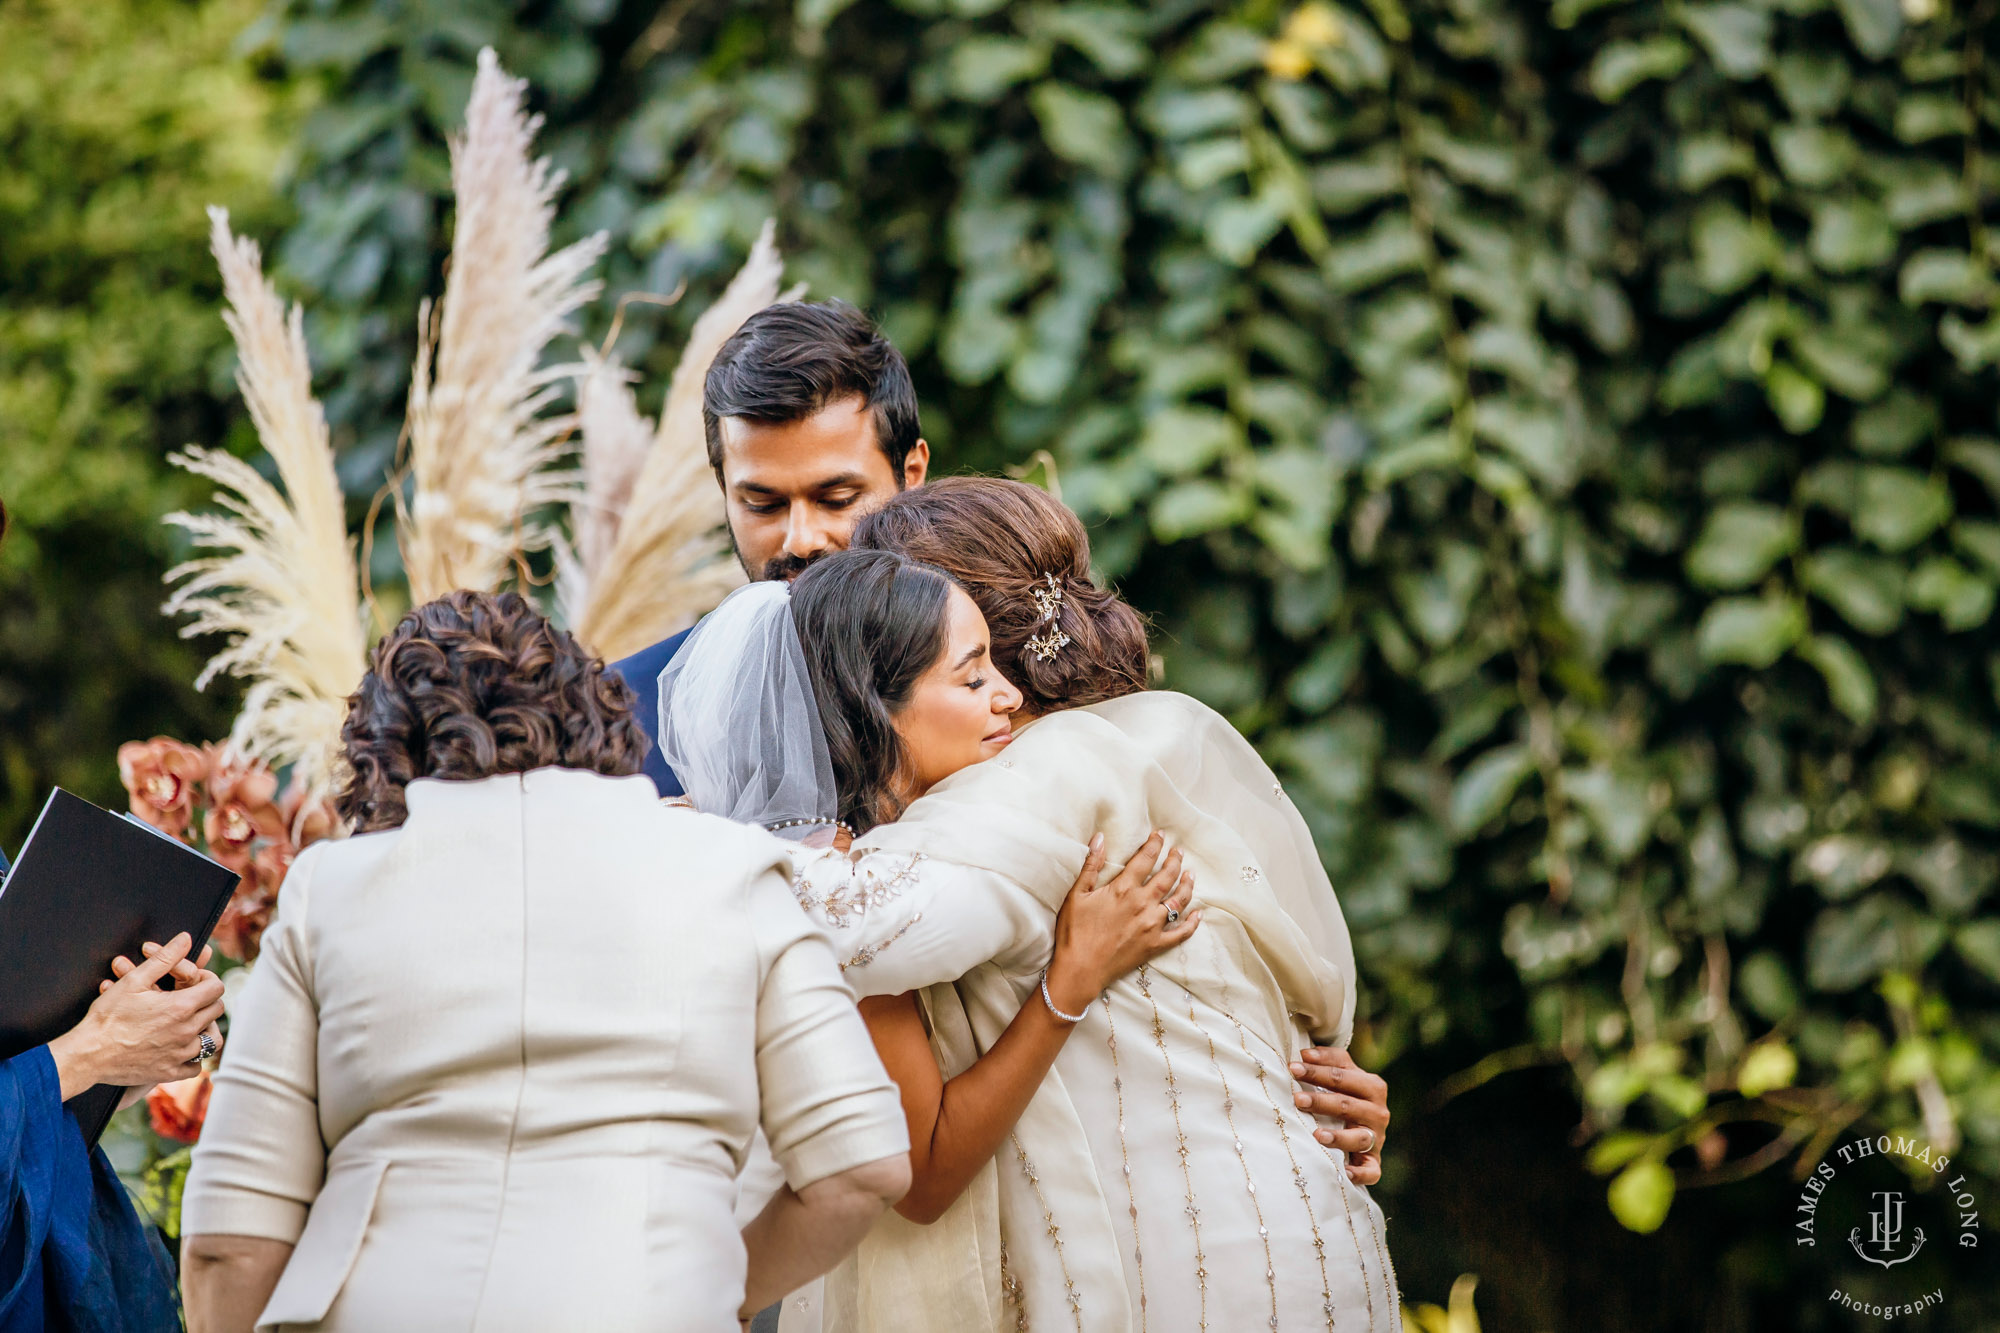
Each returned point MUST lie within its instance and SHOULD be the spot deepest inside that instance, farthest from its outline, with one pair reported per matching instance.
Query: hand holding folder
(88, 887)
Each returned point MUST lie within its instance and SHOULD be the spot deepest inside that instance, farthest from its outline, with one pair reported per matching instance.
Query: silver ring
(1371, 1143)
(1173, 915)
(207, 1049)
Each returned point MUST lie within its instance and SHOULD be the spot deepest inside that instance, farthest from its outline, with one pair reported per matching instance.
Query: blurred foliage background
(1562, 435)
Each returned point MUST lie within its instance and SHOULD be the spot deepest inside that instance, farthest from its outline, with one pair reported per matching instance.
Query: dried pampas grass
(284, 592)
(668, 561)
(481, 450)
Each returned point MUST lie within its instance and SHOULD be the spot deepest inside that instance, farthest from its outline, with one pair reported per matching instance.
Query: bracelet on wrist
(1067, 1018)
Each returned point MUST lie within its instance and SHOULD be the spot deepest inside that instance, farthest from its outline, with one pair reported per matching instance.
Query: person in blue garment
(73, 1253)
(811, 422)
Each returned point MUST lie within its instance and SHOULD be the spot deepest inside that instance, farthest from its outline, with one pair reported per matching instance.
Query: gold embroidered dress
(1162, 1179)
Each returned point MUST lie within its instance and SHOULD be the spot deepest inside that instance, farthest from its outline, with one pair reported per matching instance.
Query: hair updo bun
(1025, 559)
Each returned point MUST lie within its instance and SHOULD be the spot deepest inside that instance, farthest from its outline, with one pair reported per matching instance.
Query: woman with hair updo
(509, 1044)
(1164, 1176)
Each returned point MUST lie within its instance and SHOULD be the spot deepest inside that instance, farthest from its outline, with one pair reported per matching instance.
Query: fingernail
(149, 949)
(1298, 1070)
(1302, 1099)
(1323, 1135)
(1096, 843)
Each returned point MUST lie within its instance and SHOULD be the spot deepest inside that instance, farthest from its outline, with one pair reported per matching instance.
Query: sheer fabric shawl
(1153, 760)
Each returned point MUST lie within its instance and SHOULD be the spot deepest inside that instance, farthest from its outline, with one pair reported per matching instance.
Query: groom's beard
(786, 567)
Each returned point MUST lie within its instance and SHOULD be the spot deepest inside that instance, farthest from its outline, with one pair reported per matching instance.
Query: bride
(1160, 1176)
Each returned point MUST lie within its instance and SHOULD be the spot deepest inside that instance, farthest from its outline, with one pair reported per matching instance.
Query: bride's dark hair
(871, 623)
(1003, 542)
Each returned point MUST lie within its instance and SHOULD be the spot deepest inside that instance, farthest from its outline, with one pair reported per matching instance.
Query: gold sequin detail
(1298, 1175)
(1054, 1232)
(1249, 1182)
(1124, 1158)
(1193, 1209)
(868, 953)
(1010, 1292)
(860, 889)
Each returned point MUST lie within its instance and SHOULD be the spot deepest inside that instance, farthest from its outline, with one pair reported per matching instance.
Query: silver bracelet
(1067, 1018)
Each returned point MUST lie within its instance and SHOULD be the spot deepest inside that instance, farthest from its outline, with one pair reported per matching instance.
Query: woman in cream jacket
(506, 1049)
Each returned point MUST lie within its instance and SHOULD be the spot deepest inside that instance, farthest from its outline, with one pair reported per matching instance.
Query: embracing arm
(901, 921)
(1101, 934)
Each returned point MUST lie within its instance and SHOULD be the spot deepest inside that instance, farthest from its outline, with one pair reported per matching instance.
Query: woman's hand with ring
(1105, 931)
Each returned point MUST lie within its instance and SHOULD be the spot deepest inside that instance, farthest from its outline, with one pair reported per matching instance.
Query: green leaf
(1895, 425)
(1238, 228)
(1848, 945)
(1931, 116)
(1753, 631)
(1641, 1194)
(1740, 544)
(1182, 440)
(1795, 396)
(1980, 539)
(1875, 25)
(1703, 159)
(1389, 247)
(1978, 943)
(1486, 785)
(1736, 37)
(1615, 1150)
(1083, 127)
(1618, 804)
(1189, 508)
(1897, 508)
(1961, 598)
(1767, 1067)
(1849, 682)
(1948, 276)
(1867, 590)
(1729, 249)
(1844, 361)
(1851, 234)
(983, 67)
(1768, 987)
(1812, 155)
(1537, 438)
(1619, 67)
(1978, 456)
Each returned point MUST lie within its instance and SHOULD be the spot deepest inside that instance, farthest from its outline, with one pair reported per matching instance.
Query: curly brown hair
(1002, 540)
(471, 685)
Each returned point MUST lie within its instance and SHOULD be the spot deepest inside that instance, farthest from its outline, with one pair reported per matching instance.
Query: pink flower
(241, 812)
(162, 777)
(177, 1110)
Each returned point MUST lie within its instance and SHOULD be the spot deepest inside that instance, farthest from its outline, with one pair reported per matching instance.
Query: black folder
(90, 885)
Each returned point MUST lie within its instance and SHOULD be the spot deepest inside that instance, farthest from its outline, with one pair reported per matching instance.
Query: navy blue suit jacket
(642, 672)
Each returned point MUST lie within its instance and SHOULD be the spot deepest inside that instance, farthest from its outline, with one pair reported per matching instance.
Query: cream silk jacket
(498, 1069)
(1162, 1179)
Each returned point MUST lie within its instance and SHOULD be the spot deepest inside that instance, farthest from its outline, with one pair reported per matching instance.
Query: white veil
(738, 721)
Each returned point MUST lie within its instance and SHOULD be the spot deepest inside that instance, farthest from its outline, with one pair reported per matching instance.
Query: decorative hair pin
(1048, 605)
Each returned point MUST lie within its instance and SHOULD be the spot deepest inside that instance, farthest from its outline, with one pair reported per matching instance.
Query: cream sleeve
(260, 1161)
(900, 921)
(825, 1101)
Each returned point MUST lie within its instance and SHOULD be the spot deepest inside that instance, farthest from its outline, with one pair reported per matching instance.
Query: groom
(811, 422)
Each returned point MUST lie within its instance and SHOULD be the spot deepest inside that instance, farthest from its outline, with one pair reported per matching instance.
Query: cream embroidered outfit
(498, 1069)
(1162, 1179)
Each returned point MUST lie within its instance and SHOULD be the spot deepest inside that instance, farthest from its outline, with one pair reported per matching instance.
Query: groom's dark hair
(796, 358)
